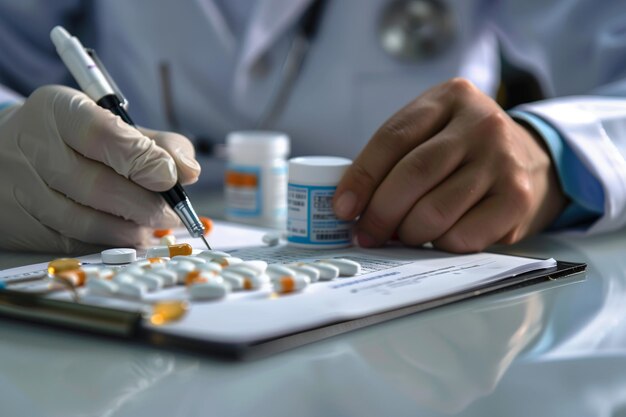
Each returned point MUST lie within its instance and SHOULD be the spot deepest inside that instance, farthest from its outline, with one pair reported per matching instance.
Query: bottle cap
(317, 170)
(257, 143)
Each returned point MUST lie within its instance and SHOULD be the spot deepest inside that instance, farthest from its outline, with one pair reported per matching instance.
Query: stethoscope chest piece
(416, 30)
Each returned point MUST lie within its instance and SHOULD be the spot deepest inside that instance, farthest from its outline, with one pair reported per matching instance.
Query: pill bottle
(255, 181)
(311, 221)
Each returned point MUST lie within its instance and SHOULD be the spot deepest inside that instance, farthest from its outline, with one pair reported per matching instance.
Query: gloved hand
(73, 175)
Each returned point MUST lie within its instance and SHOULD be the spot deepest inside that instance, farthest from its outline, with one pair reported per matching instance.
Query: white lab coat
(348, 85)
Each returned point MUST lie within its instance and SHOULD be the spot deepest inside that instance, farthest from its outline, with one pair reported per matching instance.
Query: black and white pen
(95, 82)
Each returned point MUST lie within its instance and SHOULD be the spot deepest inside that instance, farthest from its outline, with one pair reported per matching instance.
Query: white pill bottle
(255, 182)
(311, 221)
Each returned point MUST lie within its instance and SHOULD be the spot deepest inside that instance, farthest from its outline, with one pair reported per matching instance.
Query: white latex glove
(73, 175)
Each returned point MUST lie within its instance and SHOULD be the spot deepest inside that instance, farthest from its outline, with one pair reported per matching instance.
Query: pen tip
(206, 243)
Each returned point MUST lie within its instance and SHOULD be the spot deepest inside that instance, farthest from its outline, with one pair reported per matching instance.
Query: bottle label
(243, 191)
(310, 217)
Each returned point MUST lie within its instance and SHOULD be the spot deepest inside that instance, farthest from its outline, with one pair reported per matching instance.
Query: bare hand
(451, 168)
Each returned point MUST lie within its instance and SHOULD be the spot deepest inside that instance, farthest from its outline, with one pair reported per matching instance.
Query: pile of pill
(208, 275)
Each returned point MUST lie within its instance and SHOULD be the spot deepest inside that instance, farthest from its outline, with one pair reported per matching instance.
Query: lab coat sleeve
(583, 189)
(577, 50)
(27, 56)
(8, 97)
(594, 128)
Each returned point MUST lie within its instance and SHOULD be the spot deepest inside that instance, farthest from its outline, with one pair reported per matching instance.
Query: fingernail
(190, 163)
(344, 206)
(365, 240)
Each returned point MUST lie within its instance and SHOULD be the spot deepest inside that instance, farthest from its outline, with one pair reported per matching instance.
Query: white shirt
(348, 85)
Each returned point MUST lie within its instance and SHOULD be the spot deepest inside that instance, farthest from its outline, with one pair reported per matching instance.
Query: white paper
(393, 278)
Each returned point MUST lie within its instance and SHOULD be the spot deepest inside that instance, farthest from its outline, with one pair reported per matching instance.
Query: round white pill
(118, 256)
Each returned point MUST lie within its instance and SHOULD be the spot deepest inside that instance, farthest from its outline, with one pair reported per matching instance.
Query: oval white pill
(106, 273)
(309, 271)
(255, 282)
(210, 267)
(91, 272)
(235, 280)
(193, 259)
(347, 267)
(118, 256)
(245, 272)
(99, 286)
(169, 277)
(258, 267)
(209, 276)
(132, 289)
(211, 254)
(271, 239)
(227, 261)
(135, 270)
(208, 291)
(141, 263)
(288, 284)
(181, 268)
(123, 277)
(327, 271)
(277, 270)
(151, 281)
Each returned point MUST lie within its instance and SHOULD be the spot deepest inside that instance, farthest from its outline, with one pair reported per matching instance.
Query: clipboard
(131, 325)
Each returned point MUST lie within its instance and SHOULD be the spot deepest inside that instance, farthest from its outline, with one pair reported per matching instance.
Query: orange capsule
(287, 283)
(161, 232)
(76, 277)
(194, 277)
(183, 249)
(170, 251)
(207, 223)
(167, 311)
(63, 264)
(156, 260)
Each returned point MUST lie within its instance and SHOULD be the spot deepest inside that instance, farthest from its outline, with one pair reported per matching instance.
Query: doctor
(449, 167)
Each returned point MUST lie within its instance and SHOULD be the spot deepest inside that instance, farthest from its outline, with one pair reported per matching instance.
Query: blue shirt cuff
(6, 104)
(584, 190)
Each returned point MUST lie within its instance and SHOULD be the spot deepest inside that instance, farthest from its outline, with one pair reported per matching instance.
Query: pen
(94, 82)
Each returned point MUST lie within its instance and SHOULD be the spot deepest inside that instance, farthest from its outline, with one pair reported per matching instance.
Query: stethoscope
(409, 31)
